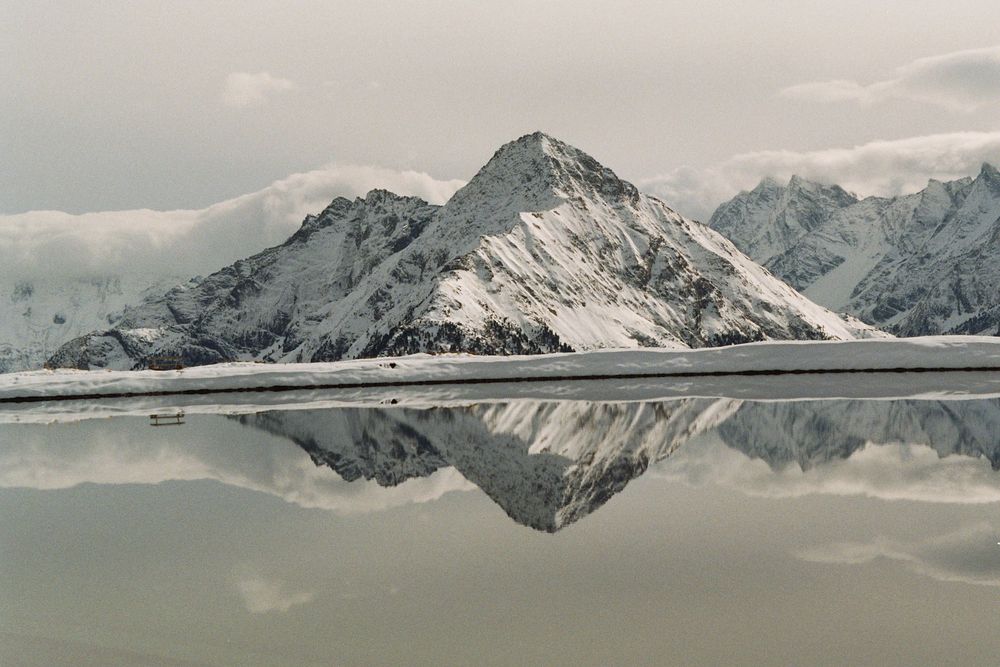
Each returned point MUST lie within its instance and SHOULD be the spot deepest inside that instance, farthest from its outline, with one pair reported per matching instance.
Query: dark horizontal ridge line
(460, 381)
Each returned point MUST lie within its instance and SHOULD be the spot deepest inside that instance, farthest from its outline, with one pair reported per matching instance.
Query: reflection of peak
(546, 464)
(367, 444)
(814, 433)
(550, 464)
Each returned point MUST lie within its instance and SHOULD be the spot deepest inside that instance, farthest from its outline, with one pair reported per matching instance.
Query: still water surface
(688, 531)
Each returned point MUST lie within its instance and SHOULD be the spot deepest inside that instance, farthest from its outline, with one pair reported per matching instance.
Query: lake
(596, 527)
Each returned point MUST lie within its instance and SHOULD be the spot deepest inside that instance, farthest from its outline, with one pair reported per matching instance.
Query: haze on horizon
(145, 105)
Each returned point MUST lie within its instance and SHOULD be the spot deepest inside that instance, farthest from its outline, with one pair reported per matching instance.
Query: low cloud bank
(58, 245)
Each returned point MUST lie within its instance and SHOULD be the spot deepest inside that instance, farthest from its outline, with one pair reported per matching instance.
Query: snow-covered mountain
(37, 316)
(920, 264)
(544, 250)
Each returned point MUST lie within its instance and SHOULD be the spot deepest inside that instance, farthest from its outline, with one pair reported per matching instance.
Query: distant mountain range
(544, 250)
(920, 264)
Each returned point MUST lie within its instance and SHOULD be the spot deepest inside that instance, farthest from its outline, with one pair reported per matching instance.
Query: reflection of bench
(167, 420)
(165, 364)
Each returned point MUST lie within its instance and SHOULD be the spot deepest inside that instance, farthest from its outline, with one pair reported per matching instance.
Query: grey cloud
(962, 80)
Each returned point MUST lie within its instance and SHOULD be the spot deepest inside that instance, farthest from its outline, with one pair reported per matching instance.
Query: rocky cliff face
(920, 264)
(544, 250)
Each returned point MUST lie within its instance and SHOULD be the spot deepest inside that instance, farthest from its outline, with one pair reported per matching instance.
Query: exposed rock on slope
(544, 250)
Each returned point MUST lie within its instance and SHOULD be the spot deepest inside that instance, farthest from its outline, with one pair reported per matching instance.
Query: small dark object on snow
(165, 364)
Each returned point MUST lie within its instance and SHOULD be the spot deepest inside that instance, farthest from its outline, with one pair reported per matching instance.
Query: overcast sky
(168, 105)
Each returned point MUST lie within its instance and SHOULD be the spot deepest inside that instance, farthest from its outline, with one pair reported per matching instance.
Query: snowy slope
(38, 316)
(544, 250)
(919, 264)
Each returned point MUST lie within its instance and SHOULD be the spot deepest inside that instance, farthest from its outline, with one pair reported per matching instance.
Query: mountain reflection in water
(548, 464)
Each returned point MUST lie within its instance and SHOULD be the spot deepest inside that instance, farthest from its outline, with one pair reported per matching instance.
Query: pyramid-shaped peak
(559, 154)
(540, 170)
(541, 143)
(539, 147)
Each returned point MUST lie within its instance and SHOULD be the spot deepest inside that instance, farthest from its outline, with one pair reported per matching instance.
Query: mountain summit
(543, 250)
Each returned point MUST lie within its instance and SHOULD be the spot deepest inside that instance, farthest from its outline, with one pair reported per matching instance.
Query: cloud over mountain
(187, 242)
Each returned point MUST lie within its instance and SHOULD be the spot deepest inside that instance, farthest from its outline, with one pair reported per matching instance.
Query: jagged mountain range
(549, 464)
(921, 264)
(544, 250)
